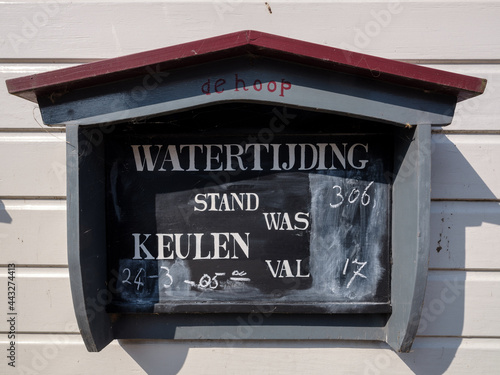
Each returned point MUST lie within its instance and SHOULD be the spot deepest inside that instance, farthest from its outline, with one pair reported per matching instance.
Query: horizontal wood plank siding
(451, 304)
(43, 300)
(463, 166)
(66, 354)
(464, 235)
(450, 307)
(395, 30)
(33, 232)
(36, 165)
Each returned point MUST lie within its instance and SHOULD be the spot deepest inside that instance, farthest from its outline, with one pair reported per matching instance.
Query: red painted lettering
(285, 85)
(219, 83)
(269, 86)
(237, 82)
(205, 88)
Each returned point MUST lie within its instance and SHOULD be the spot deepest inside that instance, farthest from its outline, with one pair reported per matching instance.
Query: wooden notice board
(246, 174)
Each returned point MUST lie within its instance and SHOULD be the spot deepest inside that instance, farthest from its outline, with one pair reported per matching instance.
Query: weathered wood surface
(450, 307)
(464, 235)
(395, 30)
(33, 232)
(463, 166)
(66, 354)
(33, 165)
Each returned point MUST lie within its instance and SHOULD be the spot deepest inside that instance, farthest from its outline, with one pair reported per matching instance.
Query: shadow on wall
(4, 215)
(158, 357)
(288, 357)
(455, 210)
(462, 203)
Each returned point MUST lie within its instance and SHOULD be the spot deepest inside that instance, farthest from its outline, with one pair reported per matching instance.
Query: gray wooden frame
(87, 259)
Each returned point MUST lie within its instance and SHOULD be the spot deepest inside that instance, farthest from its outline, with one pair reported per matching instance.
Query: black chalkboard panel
(215, 223)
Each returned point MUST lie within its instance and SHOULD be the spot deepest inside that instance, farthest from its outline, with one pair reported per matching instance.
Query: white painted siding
(460, 329)
(409, 30)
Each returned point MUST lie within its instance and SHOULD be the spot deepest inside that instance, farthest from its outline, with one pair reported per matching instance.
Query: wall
(460, 327)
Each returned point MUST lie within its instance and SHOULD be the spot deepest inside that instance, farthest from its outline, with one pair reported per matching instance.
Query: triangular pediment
(246, 66)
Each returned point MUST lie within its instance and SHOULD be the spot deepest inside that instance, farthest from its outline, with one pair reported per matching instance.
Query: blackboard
(199, 223)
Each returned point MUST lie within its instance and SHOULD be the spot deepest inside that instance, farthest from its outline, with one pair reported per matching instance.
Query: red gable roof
(241, 43)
